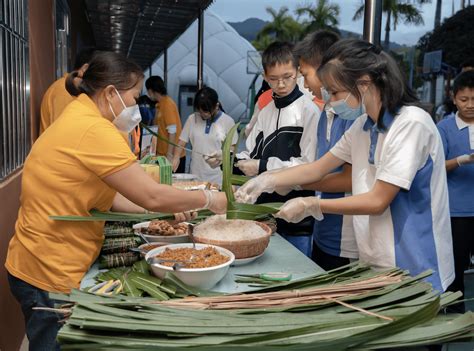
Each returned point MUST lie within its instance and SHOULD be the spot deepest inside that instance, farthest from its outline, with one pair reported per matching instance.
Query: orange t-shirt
(63, 176)
(53, 103)
(166, 114)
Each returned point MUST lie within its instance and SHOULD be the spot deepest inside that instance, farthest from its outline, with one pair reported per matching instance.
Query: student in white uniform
(400, 195)
(206, 130)
(457, 134)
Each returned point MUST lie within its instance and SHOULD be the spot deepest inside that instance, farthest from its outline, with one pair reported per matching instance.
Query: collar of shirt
(387, 120)
(372, 127)
(282, 102)
(212, 120)
(460, 123)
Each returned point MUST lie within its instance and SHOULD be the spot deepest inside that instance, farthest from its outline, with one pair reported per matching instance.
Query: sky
(239, 10)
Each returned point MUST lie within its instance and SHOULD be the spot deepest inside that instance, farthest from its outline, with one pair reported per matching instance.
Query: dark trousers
(41, 326)
(327, 261)
(463, 246)
(182, 165)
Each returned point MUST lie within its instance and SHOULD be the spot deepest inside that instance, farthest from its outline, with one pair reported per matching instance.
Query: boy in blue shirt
(333, 238)
(457, 134)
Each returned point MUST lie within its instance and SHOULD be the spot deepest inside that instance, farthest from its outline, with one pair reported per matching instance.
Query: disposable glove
(215, 201)
(295, 210)
(251, 190)
(214, 160)
(249, 167)
(465, 159)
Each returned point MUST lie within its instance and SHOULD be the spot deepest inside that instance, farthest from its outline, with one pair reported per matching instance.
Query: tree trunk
(437, 22)
(387, 30)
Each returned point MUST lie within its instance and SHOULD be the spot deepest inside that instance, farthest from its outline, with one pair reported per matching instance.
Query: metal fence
(15, 141)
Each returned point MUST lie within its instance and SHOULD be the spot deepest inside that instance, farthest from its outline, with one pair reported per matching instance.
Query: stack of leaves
(354, 308)
(138, 282)
(237, 210)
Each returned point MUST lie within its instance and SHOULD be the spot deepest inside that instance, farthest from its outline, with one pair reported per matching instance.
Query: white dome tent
(225, 67)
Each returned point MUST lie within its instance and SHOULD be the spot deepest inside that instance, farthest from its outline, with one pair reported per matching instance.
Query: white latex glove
(295, 210)
(215, 201)
(465, 159)
(249, 167)
(285, 191)
(214, 160)
(251, 190)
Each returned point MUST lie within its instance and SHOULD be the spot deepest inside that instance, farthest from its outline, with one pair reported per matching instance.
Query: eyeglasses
(285, 80)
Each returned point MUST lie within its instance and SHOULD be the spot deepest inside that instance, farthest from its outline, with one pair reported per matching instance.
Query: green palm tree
(396, 12)
(322, 15)
(282, 26)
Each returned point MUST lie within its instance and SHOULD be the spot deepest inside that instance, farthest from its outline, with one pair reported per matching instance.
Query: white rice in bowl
(219, 228)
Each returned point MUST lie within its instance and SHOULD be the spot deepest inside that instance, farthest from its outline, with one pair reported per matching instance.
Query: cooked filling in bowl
(160, 227)
(193, 258)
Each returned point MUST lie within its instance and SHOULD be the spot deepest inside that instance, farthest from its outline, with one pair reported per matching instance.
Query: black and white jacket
(284, 136)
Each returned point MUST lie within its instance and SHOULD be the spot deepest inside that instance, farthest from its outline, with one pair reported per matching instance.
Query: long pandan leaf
(109, 216)
(237, 179)
(227, 164)
(152, 132)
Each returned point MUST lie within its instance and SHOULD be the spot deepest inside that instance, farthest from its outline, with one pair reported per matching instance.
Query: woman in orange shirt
(79, 163)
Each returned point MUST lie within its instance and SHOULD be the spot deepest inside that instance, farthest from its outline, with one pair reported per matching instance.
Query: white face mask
(128, 119)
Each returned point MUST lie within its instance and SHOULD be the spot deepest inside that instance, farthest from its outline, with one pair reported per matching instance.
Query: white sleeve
(185, 132)
(406, 150)
(343, 148)
(308, 141)
(171, 128)
(251, 140)
(253, 120)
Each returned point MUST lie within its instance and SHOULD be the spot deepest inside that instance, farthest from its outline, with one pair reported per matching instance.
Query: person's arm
(177, 155)
(373, 202)
(451, 164)
(339, 182)
(122, 204)
(138, 187)
(287, 178)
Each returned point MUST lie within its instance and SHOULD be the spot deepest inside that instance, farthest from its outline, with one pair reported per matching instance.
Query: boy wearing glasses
(283, 136)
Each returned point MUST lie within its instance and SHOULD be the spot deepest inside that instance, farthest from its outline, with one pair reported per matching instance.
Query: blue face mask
(344, 111)
(325, 95)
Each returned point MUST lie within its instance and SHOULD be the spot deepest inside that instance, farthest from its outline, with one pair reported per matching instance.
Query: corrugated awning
(141, 29)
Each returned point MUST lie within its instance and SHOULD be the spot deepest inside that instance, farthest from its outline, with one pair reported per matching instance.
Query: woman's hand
(295, 210)
(216, 201)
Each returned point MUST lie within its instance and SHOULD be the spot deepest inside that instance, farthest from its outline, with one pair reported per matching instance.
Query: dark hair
(263, 88)
(106, 68)
(468, 63)
(278, 53)
(84, 56)
(462, 81)
(312, 48)
(156, 84)
(206, 100)
(348, 60)
(145, 100)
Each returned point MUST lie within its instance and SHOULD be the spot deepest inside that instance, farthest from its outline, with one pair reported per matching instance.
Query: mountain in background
(251, 26)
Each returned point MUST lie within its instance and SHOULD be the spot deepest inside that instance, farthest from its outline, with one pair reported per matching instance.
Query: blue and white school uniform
(334, 234)
(414, 232)
(458, 139)
(206, 137)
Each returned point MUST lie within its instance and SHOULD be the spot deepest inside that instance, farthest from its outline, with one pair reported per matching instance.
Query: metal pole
(200, 49)
(165, 67)
(373, 21)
